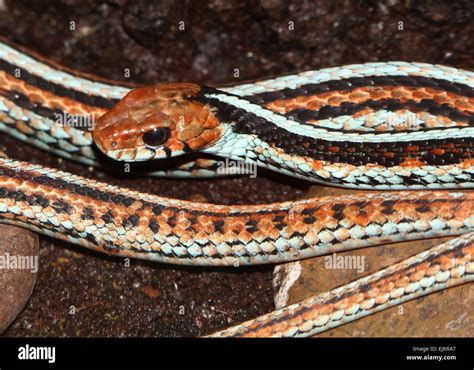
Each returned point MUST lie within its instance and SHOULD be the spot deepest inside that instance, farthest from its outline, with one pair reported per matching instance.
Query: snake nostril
(156, 137)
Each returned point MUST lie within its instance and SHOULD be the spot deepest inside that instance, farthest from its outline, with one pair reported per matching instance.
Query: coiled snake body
(394, 126)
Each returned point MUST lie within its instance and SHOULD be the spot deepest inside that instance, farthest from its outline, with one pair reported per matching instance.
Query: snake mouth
(113, 143)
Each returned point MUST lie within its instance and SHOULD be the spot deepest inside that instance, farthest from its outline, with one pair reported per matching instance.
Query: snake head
(159, 121)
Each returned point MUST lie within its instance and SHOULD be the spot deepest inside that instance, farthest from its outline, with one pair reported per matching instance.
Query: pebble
(17, 245)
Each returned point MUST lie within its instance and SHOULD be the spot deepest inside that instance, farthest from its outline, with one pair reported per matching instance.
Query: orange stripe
(48, 99)
(362, 94)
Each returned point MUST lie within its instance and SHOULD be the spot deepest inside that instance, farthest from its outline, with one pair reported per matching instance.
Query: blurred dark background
(201, 42)
(254, 36)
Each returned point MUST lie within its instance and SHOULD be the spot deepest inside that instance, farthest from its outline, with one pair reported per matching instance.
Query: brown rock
(19, 260)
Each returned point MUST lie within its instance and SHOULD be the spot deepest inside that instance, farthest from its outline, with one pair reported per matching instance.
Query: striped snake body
(438, 268)
(172, 119)
(346, 126)
(312, 125)
(127, 223)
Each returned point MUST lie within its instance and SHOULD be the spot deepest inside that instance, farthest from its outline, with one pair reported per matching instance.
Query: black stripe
(356, 153)
(54, 115)
(126, 201)
(114, 198)
(349, 84)
(57, 89)
(350, 108)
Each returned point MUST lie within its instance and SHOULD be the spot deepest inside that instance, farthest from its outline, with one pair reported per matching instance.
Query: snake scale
(386, 126)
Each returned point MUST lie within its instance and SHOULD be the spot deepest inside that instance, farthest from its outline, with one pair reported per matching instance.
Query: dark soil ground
(81, 293)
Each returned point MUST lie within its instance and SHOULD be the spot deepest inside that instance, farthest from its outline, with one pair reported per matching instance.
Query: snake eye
(156, 137)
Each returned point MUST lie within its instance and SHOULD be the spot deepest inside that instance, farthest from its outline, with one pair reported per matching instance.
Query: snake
(394, 127)
(447, 265)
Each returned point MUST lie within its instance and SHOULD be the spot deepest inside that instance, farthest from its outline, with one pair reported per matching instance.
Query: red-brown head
(157, 122)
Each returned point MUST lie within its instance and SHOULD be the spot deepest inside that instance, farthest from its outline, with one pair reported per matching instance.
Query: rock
(19, 261)
(446, 313)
